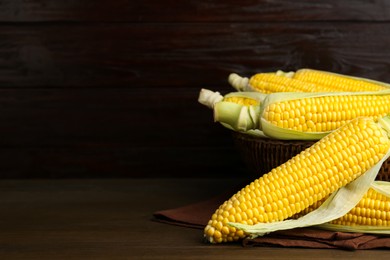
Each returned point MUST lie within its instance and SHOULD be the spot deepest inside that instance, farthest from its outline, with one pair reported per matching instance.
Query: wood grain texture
(106, 132)
(184, 55)
(112, 219)
(194, 11)
(109, 88)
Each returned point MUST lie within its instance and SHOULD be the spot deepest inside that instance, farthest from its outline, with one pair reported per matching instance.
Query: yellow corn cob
(245, 101)
(310, 176)
(372, 210)
(302, 116)
(304, 80)
(325, 113)
(270, 83)
(338, 82)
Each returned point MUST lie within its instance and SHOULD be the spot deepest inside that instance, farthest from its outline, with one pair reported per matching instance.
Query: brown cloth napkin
(197, 215)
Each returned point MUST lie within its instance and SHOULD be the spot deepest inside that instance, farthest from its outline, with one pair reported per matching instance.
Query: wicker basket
(262, 155)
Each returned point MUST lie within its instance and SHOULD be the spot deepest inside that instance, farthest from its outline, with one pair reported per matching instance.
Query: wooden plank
(100, 88)
(111, 132)
(112, 117)
(112, 219)
(177, 55)
(121, 162)
(88, 100)
(194, 11)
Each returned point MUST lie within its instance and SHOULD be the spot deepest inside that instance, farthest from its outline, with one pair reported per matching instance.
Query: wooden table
(112, 219)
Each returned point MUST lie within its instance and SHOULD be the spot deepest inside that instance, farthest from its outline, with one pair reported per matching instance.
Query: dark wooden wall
(109, 88)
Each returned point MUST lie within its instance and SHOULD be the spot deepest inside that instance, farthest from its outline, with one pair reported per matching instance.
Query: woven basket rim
(253, 138)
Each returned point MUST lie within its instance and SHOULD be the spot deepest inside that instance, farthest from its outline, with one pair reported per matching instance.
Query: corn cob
(331, 163)
(338, 81)
(304, 80)
(273, 82)
(325, 113)
(270, 83)
(243, 83)
(307, 116)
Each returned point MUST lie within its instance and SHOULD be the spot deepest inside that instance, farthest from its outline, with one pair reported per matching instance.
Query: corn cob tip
(209, 98)
(238, 82)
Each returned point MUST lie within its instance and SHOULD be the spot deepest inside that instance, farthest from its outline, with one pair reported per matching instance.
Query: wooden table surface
(112, 219)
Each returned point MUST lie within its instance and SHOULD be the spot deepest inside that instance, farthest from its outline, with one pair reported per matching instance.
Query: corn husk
(234, 116)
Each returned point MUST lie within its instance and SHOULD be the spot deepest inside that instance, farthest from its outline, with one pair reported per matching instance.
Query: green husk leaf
(255, 132)
(384, 122)
(337, 205)
(276, 132)
(382, 187)
(233, 116)
(238, 117)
